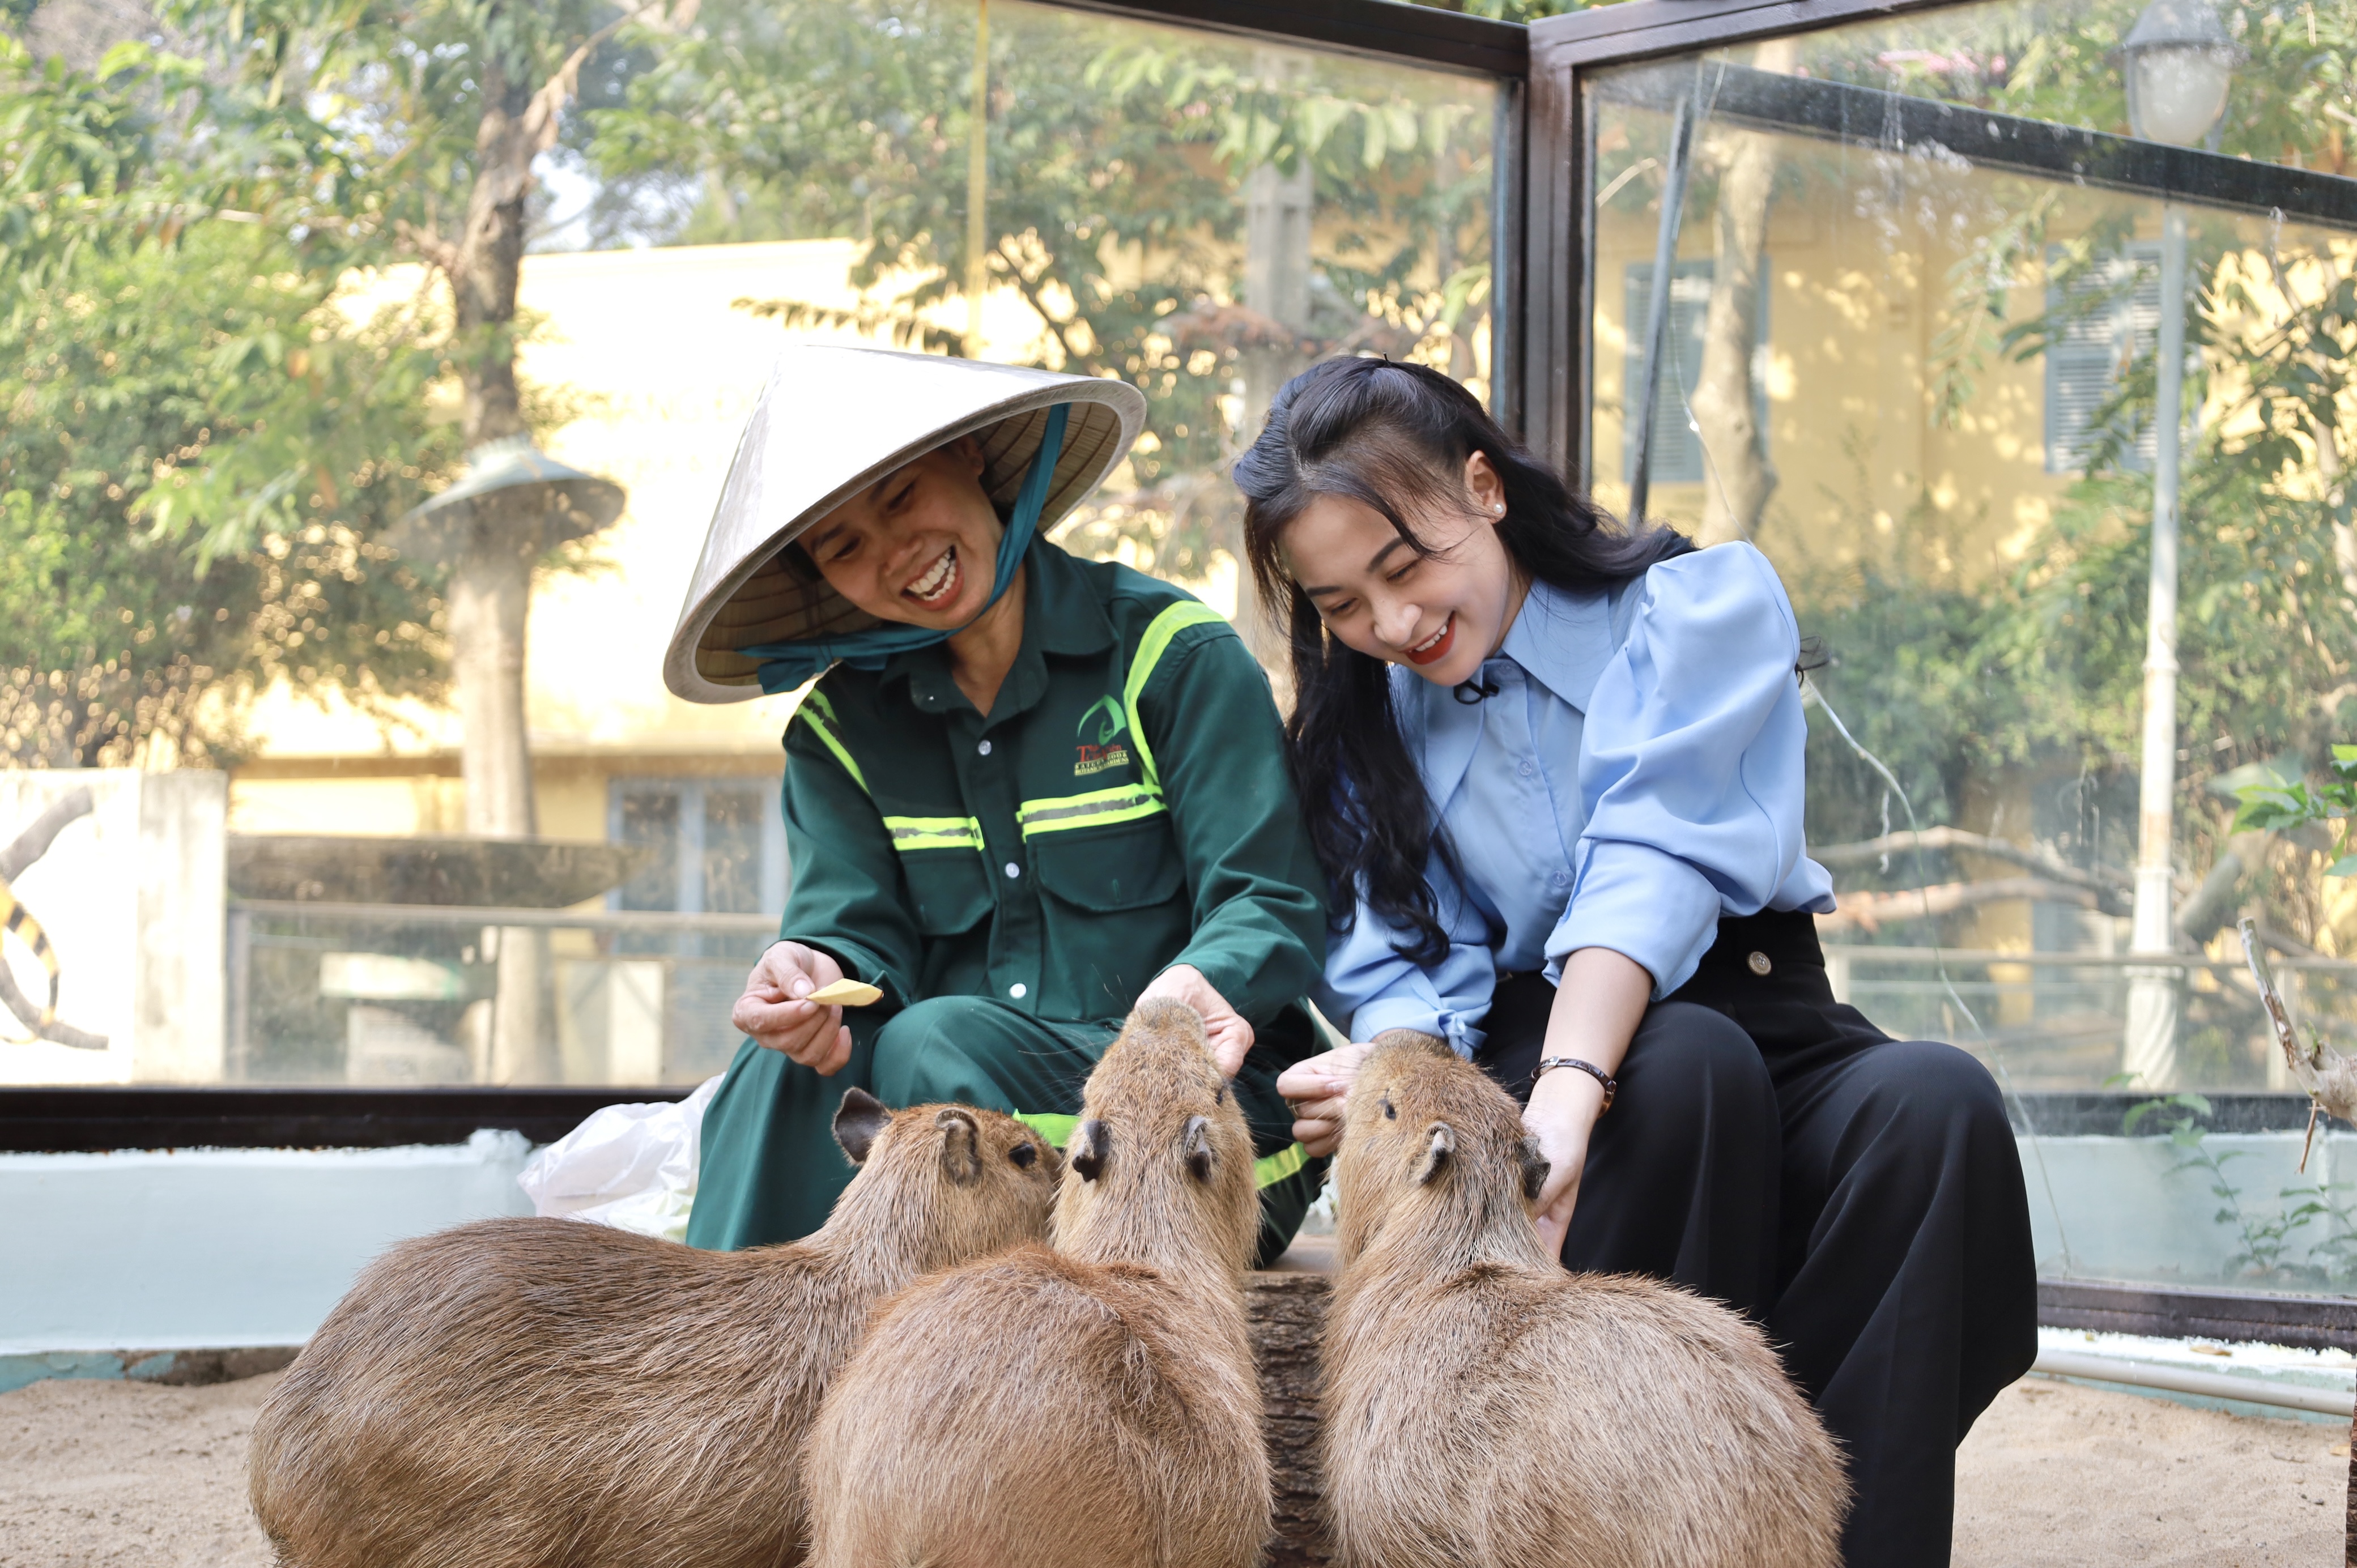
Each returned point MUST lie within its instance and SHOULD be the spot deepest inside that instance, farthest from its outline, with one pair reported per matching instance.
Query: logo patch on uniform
(1097, 746)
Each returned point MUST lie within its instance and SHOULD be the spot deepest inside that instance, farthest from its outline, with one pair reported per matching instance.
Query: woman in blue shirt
(1556, 772)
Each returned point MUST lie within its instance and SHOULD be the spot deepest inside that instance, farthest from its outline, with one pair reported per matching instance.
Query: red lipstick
(1439, 650)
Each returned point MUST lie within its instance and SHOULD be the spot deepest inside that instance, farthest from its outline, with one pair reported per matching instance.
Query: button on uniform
(1758, 963)
(1014, 870)
(1017, 990)
(983, 750)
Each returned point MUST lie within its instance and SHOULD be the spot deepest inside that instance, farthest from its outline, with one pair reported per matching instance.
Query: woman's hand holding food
(1598, 1005)
(773, 1012)
(1562, 1113)
(1318, 1086)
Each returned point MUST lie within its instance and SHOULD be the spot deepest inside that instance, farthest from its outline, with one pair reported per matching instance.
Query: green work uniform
(1013, 883)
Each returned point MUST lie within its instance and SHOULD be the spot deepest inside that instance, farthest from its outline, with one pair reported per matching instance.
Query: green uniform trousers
(771, 1169)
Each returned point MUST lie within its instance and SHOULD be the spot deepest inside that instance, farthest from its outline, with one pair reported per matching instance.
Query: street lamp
(2178, 63)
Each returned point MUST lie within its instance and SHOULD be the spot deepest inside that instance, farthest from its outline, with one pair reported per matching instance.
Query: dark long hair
(1397, 438)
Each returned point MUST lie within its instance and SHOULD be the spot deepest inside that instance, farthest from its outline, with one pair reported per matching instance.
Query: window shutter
(1677, 448)
(2085, 365)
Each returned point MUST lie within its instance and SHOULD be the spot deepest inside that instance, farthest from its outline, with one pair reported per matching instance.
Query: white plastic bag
(630, 1166)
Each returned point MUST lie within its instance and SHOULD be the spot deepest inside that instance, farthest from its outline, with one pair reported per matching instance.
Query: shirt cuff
(1412, 1013)
(1647, 905)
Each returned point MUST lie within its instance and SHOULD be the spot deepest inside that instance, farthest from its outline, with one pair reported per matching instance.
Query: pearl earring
(1499, 509)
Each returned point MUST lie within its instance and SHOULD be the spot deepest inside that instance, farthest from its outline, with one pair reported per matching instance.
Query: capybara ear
(1439, 1149)
(1535, 1166)
(1197, 1142)
(857, 1121)
(961, 1147)
(1087, 1151)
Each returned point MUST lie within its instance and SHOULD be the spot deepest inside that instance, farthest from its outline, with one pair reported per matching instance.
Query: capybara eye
(1024, 1155)
(1391, 1111)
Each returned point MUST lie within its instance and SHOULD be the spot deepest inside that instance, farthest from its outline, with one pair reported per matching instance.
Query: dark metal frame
(2168, 1312)
(1382, 29)
(1870, 117)
(1566, 50)
(88, 1121)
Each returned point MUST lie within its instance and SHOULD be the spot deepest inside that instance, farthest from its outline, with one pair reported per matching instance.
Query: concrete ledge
(175, 1368)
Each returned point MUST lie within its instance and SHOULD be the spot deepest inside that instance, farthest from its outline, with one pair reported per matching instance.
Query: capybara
(521, 1393)
(1088, 1406)
(1483, 1405)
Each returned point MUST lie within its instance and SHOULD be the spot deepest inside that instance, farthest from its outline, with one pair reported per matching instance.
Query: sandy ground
(124, 1474)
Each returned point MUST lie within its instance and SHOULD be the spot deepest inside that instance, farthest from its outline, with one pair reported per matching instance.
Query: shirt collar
(1562, 639)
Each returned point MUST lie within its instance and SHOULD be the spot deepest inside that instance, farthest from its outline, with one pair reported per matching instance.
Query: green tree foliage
(198, 447)
(1115, 155)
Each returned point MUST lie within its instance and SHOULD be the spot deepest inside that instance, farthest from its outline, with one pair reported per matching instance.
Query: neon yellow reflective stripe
(1158, 633)
(1097, 808)
(911, 834)
(1058, 1130)
(1275, 1167)
(819, 713)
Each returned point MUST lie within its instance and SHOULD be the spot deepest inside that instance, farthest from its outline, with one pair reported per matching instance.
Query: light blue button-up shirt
(1637, 776)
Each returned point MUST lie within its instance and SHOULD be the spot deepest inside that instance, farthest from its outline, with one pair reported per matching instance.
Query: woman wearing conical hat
(1026, 791)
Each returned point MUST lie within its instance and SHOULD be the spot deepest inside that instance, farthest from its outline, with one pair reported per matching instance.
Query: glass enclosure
(1951, 317)
(222, 420)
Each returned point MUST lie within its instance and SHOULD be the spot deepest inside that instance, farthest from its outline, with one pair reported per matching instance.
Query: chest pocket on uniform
(1104, 871)
(949, 888)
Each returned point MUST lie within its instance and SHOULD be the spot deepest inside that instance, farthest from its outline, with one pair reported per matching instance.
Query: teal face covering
(786, 665)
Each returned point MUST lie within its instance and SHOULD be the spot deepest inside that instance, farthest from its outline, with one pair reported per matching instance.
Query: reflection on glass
(1946, 336)
(221, 430)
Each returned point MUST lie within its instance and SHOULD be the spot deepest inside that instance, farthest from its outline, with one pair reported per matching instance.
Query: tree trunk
(1278, 208)
(1737, 478)
(490, 579)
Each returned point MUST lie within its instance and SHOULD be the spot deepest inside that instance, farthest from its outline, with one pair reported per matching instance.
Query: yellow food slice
(845, 994)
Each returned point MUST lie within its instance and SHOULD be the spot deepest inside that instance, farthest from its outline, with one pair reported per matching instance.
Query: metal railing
(409, 994)
(2057, 1019)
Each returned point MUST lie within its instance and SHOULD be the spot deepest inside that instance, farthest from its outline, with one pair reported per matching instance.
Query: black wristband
(1590, 1069)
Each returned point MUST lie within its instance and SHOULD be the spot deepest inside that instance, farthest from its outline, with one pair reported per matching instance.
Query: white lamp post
(2177, 61)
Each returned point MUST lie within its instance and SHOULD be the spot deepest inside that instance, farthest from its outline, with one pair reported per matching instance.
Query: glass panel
(732, 850)
(218, 604)
(650, 823)
(1952, 323)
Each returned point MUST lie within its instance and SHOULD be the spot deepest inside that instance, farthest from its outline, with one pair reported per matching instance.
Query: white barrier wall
(131, 895)
(219, 1248)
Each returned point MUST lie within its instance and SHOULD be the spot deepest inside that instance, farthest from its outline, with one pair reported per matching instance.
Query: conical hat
(832, 421)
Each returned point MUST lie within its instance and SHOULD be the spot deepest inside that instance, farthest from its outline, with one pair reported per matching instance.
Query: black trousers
(1858, 1197)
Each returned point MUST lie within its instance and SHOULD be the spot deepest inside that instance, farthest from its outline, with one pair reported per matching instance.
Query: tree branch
(439, 252)
(540, 116)
(1031, 296)
(1944, 840)
(1871, 911)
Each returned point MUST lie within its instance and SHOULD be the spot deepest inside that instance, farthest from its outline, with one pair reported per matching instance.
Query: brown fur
(1481, 1405)
(1091, 1406)
(521, 1393)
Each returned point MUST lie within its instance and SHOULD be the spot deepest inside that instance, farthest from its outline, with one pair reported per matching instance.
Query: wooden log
(1286, 1305)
